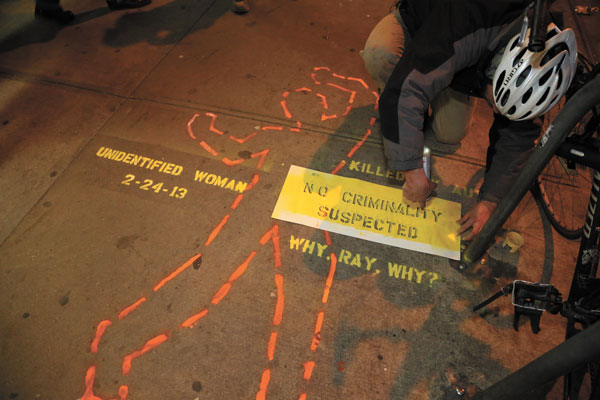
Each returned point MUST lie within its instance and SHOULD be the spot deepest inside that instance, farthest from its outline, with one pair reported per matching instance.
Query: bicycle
(570, 146)
(569, 172)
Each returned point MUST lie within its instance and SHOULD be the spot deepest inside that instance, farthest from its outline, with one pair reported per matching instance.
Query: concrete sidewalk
(155, 281)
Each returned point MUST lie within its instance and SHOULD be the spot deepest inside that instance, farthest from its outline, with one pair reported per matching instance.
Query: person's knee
(377, 63)
(450, 133)
(383, 49)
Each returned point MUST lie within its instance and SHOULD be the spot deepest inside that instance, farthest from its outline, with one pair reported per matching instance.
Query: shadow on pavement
(162, 25)
(41, 31)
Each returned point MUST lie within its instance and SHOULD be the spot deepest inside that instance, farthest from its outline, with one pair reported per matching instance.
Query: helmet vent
(527, 114)
(514, 43)
(518, 57)
(505, 98)
(499, 82)
(553, 52)
(523, 75)
(499, 95)
(512, 110)
(551, 33)
(527, 95)
(545, 77)
(543, 98)
(560, 78)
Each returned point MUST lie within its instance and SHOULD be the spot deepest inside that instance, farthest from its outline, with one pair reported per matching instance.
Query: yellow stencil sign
(368, 211)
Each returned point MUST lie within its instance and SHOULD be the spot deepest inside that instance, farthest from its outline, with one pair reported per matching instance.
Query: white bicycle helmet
(528, 84)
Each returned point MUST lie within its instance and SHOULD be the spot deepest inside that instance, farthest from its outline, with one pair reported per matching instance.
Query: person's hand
(476, 218)
(417, 187)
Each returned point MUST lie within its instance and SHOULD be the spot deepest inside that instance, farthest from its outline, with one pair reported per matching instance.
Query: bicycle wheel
(563, 187)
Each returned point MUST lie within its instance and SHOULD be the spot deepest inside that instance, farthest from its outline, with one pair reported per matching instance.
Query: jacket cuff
(394, 165)
(488, 197)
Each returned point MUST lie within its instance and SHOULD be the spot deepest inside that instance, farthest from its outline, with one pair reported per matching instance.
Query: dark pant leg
(47, 4)
(511, 143)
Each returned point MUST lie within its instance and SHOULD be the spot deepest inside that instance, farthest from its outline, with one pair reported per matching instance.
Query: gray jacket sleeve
(443, 45)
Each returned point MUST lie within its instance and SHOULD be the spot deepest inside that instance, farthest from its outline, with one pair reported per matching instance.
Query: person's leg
(51, 9)
(125, 4)
(384, 48)
(451, 114)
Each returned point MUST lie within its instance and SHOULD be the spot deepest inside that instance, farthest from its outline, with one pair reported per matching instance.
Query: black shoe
(61, 16)
(123, 4)
(240, 6)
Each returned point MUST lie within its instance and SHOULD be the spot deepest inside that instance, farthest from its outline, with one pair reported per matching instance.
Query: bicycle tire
(562, 187)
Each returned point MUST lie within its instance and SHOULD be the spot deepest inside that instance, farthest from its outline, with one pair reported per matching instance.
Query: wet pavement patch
(64, 300)
(197, 386)
(197, 263)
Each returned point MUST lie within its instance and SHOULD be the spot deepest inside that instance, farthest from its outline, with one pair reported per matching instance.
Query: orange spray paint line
(273, 234)
(123, 392)
(212, 124)
(179, 270)
(352, 96)
(245, 139)
(329, 280)
(193, 320)
(299, 125)
(327, 238)
(242, 268)
(322, 68)
(237, 201)
(323, 100)
(341, 88)
(302, 396)
(90, 375)
(285, 94)
(339, 167)
(99, 333)
(264, 384)
(317, 335)
(150, 344)
(326, 117)
(338, 76)
(314, 78)
(221, 293)
(304, 89)
(209, 149)
(359, 144)
(132, 307)
(252, 183)
(280, 300)
(271, 346)
(272, 128)
(231, 163)
(285, 109)
(262, 155)
(362, 82)
(308, 369)
(372, 121)
(189, 126)
(217, 230)
(376, 100)
(348, 109)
